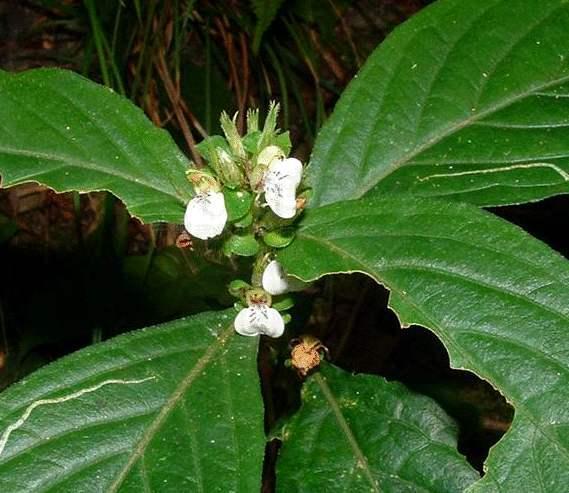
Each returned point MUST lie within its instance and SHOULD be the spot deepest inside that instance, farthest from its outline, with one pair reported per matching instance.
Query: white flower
(259, 319)
(206, 215)
(274, 279)
(280, 182)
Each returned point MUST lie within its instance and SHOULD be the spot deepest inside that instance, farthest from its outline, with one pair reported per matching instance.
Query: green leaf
(279, 238)
(242, 245)
(265, 11)
(207, 149)
(174, 282)
(238, 288)
(245, 221)
(237, 202)
(174, 406)
(283, 141)
(251, 142)
(382, 437)
(497, 298)
(283, 304)
(68, 133)
(468, 100)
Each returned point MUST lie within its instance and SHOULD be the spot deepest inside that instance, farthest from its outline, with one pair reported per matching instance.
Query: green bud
(207, 147)
(202, 181)
(252, 120)
(238, 288)
(228, 168)
(268, 154)
(256, 177)
(231, 133)
(270, 126)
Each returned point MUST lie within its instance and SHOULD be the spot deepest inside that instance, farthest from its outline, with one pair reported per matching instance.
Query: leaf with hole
(383, 437)
(497, 298)
(468, 100)
(176, 406)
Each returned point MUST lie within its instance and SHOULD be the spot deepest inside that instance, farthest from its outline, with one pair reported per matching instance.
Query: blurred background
(76, 269)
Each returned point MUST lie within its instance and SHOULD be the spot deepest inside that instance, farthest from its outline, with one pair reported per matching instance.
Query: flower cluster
(247, 197)
(265, 171)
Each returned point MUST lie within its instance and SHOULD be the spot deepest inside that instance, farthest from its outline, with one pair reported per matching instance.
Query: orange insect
(306, 354)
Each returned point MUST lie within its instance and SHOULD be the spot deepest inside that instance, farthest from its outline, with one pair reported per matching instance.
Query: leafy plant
(463, 106)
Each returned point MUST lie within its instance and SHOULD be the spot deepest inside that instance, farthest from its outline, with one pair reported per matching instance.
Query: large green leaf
(362, 433)
(68, 133)
(170, 408)
(497, 298)
(468, 100)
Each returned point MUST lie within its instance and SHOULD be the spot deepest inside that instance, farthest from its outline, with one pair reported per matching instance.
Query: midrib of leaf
(384, 172)
(448, 342)
(346, 430)
(73, 162)
(116, 141)
(177, 395)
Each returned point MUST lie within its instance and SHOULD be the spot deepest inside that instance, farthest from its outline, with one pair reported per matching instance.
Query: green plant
(463, 106)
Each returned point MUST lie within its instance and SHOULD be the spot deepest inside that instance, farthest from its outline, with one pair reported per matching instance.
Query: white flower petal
(280, 183)
(206, 215)
(289, 166)
(274, 279)
(259, 319)
(243, 323)
(275, 326)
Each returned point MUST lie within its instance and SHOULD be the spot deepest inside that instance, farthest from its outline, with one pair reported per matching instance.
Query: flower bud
(269, 153)
(228, 168)
(202, 181)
